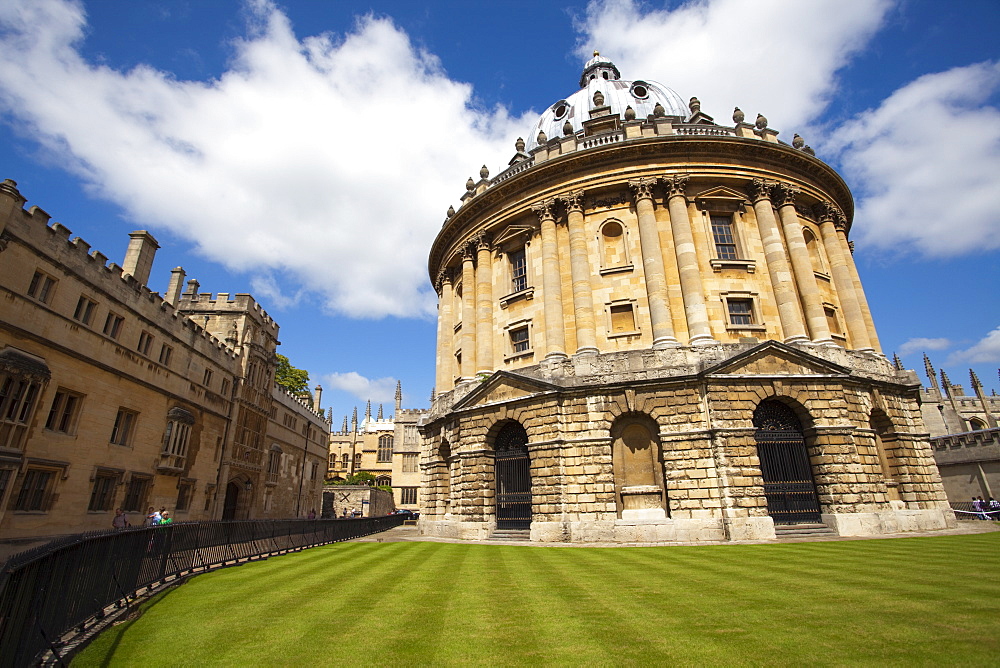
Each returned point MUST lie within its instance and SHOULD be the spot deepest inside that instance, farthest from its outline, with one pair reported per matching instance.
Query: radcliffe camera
(606, 334)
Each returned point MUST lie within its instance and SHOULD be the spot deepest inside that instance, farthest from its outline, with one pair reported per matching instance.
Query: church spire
(379, 416)
(399, 396)
(368, 411)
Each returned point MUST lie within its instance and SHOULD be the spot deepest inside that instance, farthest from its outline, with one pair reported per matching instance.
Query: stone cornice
(749, 158)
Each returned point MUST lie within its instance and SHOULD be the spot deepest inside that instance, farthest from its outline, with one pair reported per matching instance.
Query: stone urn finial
(798, 142)
(629, 113)
(738, 115)
(541, 137)
(519, 145)
(598, 99)
(659, 111)
(470, 185)
(451, 211)
(761, 122)
(567, 128)
(484, 172)
(694, 105)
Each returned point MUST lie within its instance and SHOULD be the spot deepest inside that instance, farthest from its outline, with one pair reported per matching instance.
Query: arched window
(614, 252)
(345, 458)
(814, 253)
(383, 480)
(384, 454)
(975, 424)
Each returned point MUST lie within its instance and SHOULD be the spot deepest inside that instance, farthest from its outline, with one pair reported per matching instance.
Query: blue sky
(306, 151)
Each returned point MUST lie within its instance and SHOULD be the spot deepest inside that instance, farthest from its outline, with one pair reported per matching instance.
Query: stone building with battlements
(113, 396)
(651, 328)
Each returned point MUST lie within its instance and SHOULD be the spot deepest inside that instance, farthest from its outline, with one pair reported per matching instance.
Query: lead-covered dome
(600, 74)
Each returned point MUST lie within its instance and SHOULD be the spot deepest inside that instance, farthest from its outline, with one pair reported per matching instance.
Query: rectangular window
(410, 434)
(725, 240)
(315, 471)
(410, 463)
(175, 442)
(35, 494)
(145, 343)
(84, 310)
(519, 342)
(102, 497)
(62, 415)
(225, 387)
(408, 495)
(831, 320)
(113, 325)
(136, 493)
(207, 379)
(622, 319)
(17, 401)
(518, 270)
(165, 353)
(121, 433)
(42, 286)
(183, 496)
(740, 311)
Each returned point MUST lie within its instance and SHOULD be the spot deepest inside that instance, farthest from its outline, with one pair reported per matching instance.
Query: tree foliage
(290, 378)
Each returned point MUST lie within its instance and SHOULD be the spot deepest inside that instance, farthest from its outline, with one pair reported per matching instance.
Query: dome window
(560, 108)
(640, 90)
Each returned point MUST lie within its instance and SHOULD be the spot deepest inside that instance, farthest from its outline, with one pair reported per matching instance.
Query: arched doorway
(784, 465)
(232, 501)
(513, 477)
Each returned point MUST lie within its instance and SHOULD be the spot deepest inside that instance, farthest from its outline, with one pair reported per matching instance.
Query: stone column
(793, 329)
(652, 265)
(445, 334)
(468, 369)
(583, 302)
(484, 301)
(798, 253)
(848, 251)
(555, 335)
(699, 328)
(843, 281)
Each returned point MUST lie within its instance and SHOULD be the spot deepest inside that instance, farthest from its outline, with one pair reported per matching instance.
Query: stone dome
(600, 74)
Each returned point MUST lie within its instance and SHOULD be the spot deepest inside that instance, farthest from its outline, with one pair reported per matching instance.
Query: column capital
(825, 212)
(482, 241)
(642, 188)
(468, 250)
(784, 194)
(573, 201)
(545, 209)
(444, 276)
(676, 185)
(759, 189)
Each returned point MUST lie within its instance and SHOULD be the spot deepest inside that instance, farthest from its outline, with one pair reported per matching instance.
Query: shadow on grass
(102, 647)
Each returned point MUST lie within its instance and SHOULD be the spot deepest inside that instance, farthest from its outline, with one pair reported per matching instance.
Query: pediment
(519, 233)
(776, 359)
(721, 197)
(504, 386)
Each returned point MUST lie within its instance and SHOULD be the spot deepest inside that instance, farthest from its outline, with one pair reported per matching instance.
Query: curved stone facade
(629, 293)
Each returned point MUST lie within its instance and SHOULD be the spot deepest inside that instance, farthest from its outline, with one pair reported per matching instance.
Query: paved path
(402, 534)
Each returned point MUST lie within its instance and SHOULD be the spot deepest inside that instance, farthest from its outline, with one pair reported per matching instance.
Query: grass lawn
(907, 601)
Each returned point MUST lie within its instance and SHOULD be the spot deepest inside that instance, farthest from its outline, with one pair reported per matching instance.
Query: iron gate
(784, 465)
(513, 478)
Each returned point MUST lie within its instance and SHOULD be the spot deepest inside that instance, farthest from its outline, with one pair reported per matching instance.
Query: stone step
(511, 534)
(803, 530)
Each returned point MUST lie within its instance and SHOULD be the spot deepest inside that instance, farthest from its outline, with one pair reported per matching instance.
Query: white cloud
(774, 57)
(328, 161)
(378, 390)
(922, 344)
(926, 162)
(985, 351)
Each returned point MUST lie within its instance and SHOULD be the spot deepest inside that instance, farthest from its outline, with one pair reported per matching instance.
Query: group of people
(986, 509)
(154, 517)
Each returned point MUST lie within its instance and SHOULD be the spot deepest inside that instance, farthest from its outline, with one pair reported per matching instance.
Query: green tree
(361, 478)
(290, 378)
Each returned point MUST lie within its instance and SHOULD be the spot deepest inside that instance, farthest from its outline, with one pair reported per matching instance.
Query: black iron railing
(48, 591)
(967, 510)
